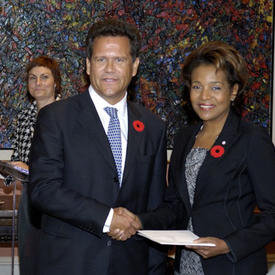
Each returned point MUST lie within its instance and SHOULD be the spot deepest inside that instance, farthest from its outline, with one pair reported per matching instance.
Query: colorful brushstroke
(170, 30)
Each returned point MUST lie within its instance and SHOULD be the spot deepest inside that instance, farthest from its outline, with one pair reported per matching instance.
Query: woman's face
(41, 83)
(210, 93)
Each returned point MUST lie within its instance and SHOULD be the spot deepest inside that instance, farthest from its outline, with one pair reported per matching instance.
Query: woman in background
(44, 87)
(221, 169)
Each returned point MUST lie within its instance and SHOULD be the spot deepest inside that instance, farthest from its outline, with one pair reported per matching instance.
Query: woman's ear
(234, 93)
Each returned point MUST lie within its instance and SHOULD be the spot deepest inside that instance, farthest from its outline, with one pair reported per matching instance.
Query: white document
(172, 237)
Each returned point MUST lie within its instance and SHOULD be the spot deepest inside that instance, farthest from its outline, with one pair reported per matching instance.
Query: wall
(5, 154)
(6, 263)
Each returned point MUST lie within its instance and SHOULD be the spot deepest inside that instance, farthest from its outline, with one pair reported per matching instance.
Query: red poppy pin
(217, 151)
(138, 126)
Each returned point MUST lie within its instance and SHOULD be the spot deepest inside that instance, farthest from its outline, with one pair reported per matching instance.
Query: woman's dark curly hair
(224, 57)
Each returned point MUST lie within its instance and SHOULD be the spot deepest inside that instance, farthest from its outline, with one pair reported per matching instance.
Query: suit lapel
(180, 170)
(92, 125)
(226, 139)
(135, 138)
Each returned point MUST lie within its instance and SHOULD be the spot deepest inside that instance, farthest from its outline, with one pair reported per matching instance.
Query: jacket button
(109, 243)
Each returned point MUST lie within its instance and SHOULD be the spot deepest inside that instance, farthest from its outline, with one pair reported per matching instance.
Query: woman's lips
(206, 106)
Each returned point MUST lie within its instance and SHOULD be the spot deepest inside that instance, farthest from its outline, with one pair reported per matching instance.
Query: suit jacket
(228, 188)
(74, 183)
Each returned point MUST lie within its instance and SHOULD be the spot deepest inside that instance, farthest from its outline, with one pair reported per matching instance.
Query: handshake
(124, 224)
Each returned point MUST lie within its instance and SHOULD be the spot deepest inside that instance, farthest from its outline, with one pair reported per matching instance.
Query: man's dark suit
(74, 183)
(228, 188)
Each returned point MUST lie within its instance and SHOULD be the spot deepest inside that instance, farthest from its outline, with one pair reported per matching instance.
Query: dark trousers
(28, 234)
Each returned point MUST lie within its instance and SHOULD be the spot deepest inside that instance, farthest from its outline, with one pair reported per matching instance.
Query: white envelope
(172, 237)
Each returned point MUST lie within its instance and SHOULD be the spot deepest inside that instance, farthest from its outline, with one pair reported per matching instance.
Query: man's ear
(135, 66)
(88, 66)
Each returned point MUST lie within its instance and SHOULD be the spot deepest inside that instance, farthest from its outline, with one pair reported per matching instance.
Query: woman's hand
(20, 164)
(210, 251)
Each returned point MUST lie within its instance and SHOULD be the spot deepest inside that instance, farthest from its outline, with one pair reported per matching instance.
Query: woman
(221, 169)
(44, 87)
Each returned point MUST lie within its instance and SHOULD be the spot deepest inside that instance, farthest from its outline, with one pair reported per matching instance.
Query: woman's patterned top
(190, 263)
(23, 133)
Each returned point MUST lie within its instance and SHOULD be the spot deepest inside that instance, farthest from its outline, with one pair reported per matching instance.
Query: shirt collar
(100, 103)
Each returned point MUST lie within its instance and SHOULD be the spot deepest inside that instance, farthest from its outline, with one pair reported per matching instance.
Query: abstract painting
(170, 30)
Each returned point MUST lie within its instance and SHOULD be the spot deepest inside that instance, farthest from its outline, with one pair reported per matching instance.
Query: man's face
(111, 67)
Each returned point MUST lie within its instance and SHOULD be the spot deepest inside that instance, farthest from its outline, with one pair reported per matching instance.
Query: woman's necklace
(204, 142)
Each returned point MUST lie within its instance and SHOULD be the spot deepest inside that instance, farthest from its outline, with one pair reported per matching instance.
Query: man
(86, 184)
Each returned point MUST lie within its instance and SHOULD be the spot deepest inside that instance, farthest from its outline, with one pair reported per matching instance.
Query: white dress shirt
(122, 113)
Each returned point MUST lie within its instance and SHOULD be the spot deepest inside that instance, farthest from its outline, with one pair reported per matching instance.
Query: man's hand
(124, 224)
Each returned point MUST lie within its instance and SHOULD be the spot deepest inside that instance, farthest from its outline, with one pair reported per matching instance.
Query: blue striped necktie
(114, 137)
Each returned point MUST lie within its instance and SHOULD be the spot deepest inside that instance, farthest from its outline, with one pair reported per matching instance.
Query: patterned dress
(190, 263)
(24, 133)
